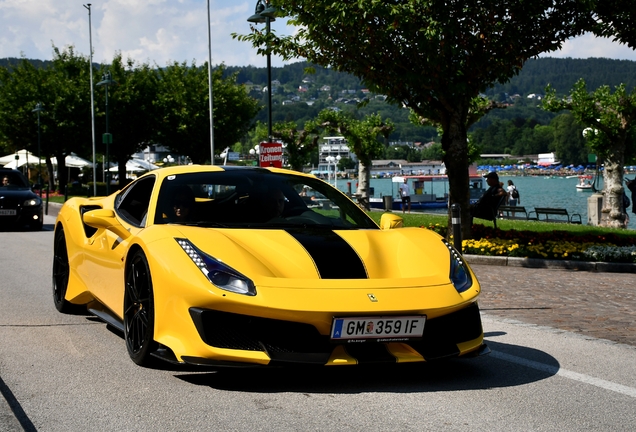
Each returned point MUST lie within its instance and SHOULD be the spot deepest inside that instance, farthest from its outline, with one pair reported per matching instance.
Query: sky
(163, 31)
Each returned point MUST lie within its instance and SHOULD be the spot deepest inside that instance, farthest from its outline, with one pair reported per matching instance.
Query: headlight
(459, 274)
(31, 202)
(221, 275)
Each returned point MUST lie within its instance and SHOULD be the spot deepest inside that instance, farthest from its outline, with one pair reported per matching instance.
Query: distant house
(303, 88)
(325, 88)
(288, 102)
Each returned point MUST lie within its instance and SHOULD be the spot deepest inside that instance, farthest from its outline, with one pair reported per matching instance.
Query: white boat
(420, 200)
(585, 183)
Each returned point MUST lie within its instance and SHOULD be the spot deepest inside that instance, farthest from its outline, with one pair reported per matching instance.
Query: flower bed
(558, 245)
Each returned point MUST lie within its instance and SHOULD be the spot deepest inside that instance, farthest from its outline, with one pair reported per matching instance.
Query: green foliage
(183, 104)
(298, 144)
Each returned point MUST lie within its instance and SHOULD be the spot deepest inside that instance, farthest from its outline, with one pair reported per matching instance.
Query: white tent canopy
(24, 157)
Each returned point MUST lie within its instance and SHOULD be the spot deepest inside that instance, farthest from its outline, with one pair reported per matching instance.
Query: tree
(362, 138)
(615, 18)
(62, 88)
(611, 118)
(569, 143)
(298, 144)
(433, 56)
(183, 103)
(132, 113)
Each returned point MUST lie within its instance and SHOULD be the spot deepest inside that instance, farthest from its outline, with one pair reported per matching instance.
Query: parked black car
(19, 205)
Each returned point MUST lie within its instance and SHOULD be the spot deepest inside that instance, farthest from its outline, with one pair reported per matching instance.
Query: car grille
(299, 342)
(8, 203)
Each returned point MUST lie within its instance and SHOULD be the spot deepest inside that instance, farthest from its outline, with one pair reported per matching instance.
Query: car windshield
(13, 180)
(256, 198)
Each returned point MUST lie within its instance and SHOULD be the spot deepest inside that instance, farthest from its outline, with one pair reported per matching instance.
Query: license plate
(7, 212)
(378, 329)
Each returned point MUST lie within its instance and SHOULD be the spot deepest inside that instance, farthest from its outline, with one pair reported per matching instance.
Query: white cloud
(588, 45)
(161, 31)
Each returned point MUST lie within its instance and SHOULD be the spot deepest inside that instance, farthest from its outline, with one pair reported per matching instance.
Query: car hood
(19, 194)
(406, 257)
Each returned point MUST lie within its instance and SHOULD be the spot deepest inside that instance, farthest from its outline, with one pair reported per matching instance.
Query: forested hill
(563, 73)
(533, 78)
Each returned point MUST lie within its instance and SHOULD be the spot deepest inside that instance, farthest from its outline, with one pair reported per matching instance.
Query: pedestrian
(513, 194)
(405, 194)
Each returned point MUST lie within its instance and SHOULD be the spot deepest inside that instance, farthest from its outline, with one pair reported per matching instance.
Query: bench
(549, 212)
(513, 212)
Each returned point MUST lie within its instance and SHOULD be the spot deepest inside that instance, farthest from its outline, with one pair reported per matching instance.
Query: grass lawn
(425, 220)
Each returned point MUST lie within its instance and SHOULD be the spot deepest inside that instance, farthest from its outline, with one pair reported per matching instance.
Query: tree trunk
(364, 179)
(51, 174)
(61, 171)
(613, 213)
(455, 146)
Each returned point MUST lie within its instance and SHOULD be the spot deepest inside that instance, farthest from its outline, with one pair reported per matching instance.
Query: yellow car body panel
(400, 272)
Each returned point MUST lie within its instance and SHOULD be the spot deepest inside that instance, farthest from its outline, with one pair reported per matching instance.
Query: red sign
(271, 155)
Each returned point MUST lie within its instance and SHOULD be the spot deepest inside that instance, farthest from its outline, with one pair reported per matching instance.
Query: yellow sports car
(238, 266)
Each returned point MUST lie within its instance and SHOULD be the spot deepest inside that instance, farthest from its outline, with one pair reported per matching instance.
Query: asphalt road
(71, 373)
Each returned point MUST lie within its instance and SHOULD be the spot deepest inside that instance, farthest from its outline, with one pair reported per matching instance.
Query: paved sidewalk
(598, 304)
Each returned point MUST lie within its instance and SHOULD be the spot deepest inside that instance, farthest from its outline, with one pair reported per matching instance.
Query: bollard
(65, 193)
(457, 226)
(46, 209)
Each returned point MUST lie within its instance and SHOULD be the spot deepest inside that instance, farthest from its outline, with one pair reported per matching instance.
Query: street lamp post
(264, 13)
(90, 40)
(107, 138)
(38, 109)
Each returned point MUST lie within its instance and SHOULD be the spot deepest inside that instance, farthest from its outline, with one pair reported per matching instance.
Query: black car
(19, 205)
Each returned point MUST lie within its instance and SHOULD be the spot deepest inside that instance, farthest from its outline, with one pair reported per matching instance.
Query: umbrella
(136, 165)
(73, 161)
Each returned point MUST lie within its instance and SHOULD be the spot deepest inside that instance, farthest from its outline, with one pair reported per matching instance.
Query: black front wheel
(139, 313)
(61, 271)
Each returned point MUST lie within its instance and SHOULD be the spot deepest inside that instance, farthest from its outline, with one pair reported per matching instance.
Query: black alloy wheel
(61, 269)
(139, 314)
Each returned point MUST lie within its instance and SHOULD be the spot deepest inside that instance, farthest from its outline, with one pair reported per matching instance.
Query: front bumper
(456, 334)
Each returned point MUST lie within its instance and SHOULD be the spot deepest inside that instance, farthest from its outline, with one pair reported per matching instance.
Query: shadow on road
(452, 375)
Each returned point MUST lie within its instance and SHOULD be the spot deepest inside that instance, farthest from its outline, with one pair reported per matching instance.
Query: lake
(559, 192)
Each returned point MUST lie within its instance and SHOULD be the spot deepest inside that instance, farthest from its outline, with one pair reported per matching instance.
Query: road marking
(607, 385)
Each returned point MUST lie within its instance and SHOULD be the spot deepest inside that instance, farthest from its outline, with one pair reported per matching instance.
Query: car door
(105, 254)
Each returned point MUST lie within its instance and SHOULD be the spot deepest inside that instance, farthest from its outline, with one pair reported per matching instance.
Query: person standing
(405, 194)
(513, 194)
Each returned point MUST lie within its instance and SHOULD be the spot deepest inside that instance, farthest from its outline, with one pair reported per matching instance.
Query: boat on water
(585, 183)
(420, 199)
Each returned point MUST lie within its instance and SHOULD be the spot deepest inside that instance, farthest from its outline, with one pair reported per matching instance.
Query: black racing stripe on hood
(334, 257)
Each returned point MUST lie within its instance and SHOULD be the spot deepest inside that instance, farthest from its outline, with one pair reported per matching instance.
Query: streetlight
(90, 68)
(38, 108)
(256, 151)
(333, 160)
(264, 13)
(210, 88)
(107, 138)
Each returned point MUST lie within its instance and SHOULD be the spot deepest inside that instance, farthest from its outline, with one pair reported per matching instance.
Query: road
(71, 373)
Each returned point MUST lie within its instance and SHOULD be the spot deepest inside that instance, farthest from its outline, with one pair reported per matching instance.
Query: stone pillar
(594, 207)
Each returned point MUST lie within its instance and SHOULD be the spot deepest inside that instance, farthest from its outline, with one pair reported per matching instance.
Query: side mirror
(391, 221)
(105, 219)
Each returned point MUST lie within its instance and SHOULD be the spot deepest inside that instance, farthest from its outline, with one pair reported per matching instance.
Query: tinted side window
(132, 204)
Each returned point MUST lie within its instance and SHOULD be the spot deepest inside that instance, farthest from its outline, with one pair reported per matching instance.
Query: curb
(551, 264)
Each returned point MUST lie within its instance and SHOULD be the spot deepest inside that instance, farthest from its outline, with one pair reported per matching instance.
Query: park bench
(513, 212)
(550, 213)
(489, 211)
